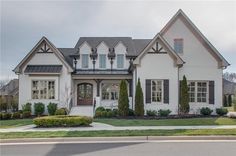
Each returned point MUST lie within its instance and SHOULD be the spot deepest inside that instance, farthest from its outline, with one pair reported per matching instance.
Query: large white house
(88, 75)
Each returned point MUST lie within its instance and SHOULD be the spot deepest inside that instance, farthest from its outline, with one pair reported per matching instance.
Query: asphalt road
(169, 148)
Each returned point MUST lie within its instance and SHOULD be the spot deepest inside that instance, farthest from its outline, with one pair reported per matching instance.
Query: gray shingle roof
(43, 69)
(134, 46)
(111, 42)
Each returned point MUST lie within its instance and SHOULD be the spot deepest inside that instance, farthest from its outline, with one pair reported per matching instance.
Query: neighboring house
(11, 88)
(229, 88)
(89, 74)
(10, 92)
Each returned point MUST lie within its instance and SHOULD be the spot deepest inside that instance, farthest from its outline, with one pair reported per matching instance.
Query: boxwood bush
(26, 114)
(16, 115)
(62, 121)
(206, 111)
(6, 116)
(221, 111)
(26, 107)
(164, 112)
(52, 107)
(151, 113)
(61, 111)
(39, 108)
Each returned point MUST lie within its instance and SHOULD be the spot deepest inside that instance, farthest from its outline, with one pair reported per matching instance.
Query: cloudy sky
(63, 22)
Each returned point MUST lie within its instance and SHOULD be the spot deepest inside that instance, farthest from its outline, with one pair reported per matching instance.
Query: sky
(23, 23)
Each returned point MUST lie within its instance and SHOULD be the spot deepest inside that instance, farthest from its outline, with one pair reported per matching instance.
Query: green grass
(11, 135)
(169, 122)
(15, 123)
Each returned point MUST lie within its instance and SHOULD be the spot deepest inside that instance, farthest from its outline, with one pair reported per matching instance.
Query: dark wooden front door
(84, 94)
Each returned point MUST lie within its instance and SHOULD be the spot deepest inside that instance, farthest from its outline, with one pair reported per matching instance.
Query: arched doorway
(84, 94)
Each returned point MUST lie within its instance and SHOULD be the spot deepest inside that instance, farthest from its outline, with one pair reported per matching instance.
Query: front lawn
(120, 133)
(15, 123)
(169, 122)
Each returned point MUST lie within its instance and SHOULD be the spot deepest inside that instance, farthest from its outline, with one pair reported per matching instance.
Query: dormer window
(85, 60)
(102, 60)
(179, 45)
(120, 60)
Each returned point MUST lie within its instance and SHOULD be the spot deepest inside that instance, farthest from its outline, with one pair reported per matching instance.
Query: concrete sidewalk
(100, 126)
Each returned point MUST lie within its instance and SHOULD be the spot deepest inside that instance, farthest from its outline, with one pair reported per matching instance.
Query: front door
(84, 94)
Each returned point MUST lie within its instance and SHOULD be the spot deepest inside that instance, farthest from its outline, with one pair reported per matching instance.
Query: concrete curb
(120, 139)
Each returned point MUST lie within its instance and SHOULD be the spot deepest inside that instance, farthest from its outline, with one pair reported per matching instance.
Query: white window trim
(162, 91)
(82, 61)
(47, 89)
(195, 93)
(99, 61)
(117, 61)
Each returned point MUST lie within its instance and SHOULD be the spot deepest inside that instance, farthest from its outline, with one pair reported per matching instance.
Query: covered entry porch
(92, 91)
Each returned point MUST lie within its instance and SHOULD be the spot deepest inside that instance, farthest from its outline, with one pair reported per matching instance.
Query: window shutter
(211, 92)
(148, 91)
(166, 91)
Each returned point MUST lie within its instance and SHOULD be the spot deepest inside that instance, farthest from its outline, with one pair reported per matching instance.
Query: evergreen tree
(123, 101)
(184, 97)
(225, 101)
(139, 107)
(230, 100)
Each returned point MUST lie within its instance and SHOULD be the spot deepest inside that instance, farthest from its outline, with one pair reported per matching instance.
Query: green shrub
(184, 97)
(52, 107)
(6, 116)
(151, 113)
(0, 115)
(26, 114)
(229, 100)
(26, 107)
(164, 112)
(98, 114)
(234, 107)
(139, 106)
(123, 101)
(206, 111)
(100, 109)
(221, 111)
(39, 108)
(115, 112)
(16, 115)
(61, 111)
(104, 114)
(3, 103)
(131, 112)
(62, 121)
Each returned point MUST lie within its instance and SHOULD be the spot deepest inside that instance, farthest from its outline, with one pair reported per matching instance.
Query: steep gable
(43, 46)
(180, 16)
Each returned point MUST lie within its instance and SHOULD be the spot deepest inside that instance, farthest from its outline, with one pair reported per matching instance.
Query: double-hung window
(179, 45)
(102, 60)
(198, 91)
(157, 89)
(85, 60)
(120, 60)
(110, 91)
(43, 89)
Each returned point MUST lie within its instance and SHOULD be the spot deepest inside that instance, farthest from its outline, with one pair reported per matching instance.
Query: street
(150, 148)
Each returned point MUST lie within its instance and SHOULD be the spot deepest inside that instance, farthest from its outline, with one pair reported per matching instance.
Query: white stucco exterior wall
(200, 64)
(159, 67)
(61, 81)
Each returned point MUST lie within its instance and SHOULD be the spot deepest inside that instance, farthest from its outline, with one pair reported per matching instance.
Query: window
(201, 91)
(198, 91)
(102, 61)
(157, 91)
(178, 45)
(110, 91)
(191, 91)
(120, 61)
(43, 89)
(85, 58)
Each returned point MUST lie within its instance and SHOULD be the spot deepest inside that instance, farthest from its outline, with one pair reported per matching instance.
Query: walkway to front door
(85, 94)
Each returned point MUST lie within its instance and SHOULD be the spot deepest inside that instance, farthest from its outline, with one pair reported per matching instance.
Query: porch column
(130, 87)
(98, 81)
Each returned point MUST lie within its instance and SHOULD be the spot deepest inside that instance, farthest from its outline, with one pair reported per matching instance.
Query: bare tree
(230, 76)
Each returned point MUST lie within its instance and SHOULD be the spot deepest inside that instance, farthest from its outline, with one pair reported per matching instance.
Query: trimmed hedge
(151, 113)
(221, 111)
(206, 111)
(61, 111)
(164, 112)
(39, 108)
(62, 121)
(52, 107)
